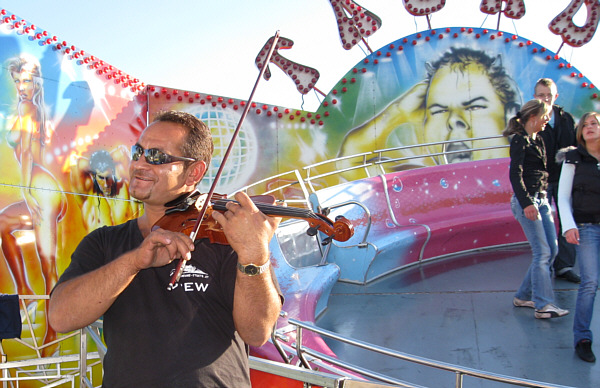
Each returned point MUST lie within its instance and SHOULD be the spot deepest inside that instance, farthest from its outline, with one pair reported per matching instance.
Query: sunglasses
(156, 156)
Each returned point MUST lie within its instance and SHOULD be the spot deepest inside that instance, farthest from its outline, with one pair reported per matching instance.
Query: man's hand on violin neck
(248, 230)
(161, 247)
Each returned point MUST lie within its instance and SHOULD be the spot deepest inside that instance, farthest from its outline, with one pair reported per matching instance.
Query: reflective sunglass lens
(136, 152)
(154, 156)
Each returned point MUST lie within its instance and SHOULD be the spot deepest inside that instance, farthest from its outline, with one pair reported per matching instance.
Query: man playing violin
(196, 334)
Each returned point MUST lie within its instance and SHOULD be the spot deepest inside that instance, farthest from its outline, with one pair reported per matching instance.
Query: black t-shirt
(159, 338)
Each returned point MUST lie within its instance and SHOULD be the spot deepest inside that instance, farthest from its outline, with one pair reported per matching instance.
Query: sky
(210, 46)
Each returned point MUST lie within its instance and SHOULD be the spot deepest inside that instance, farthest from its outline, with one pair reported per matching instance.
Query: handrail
(437, 154)
(379, 159)
(52, 370)
(310, 377)
(465, 140)
(318, 378)
(459, 371)
(297, 181)
(374, 158)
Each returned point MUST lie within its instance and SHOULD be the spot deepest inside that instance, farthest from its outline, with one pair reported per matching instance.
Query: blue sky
(210, 46)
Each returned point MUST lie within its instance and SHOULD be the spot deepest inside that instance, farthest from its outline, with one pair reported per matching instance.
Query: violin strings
(270, 209)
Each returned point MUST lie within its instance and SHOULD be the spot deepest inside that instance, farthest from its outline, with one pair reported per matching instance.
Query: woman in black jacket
(530, 206)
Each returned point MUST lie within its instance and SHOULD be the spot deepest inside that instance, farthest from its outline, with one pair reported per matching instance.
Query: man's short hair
(547, 82)
(198, 143)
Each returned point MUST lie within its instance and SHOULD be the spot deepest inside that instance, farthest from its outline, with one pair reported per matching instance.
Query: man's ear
(196, 172)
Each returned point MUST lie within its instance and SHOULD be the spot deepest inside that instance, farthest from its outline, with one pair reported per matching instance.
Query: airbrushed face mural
(68, 120)
(444, 85)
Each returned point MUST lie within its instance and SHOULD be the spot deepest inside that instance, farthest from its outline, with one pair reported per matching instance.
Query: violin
(182, 215)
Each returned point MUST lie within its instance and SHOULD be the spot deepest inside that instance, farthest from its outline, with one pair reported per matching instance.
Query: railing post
(459, 379)
(82, 357)
(299, 348)
(276, 341)
(4, 371)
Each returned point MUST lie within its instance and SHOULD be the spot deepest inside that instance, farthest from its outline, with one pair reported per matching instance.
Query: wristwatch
(253, 269)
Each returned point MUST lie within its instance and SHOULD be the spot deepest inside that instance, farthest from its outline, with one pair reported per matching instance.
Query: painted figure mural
(39, 210)
(104, 178)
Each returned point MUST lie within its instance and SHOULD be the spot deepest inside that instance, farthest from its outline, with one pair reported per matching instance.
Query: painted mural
(64, 146)
(68, 120)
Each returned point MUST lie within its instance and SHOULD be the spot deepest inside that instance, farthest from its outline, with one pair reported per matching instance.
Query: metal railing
(379, 158)
(374, 159)
(49, 371)
(308, 377)
(459, 371)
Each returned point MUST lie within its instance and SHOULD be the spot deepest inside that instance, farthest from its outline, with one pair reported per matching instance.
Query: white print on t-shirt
(189, 271)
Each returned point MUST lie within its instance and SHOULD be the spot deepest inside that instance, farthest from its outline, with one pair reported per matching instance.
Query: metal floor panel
(460, 311)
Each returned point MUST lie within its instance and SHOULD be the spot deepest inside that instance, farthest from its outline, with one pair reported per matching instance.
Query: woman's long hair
(30, 64)
(517, 123)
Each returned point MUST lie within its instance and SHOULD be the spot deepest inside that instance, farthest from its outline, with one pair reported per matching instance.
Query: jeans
(541, 234)
(565, 258)
(588, 254)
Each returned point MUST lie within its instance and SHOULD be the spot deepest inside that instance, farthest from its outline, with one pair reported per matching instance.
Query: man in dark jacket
(559, 133)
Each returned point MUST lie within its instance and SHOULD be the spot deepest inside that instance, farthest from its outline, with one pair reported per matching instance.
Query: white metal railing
(50, 371)
(374, 159)
(379, 158)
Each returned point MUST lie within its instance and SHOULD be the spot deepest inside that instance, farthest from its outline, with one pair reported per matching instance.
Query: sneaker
(550, 311)
(584, 350)
(523, 303)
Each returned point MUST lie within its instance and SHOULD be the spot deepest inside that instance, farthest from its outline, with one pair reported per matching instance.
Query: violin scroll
(340, 230)
(343, 229)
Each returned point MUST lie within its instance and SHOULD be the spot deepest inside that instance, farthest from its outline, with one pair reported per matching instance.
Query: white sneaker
(523, 303)
(550, 311)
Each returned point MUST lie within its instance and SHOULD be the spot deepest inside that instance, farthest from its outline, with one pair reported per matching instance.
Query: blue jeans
(541, 234)
(588, 253)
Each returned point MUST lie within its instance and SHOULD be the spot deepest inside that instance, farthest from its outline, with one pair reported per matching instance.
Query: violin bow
(177, 274)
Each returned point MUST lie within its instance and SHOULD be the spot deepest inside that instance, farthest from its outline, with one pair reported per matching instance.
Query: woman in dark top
(579, 203)
(530, 206)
